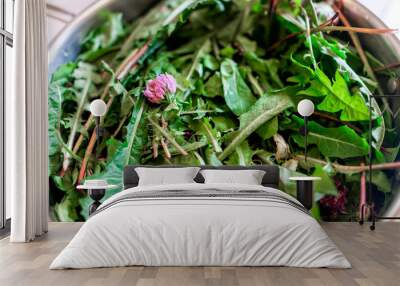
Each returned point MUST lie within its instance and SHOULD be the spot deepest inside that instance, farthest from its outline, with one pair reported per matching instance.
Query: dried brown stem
(387, 67)
(89, 149)
(164, 145)
(350, 169)
(132, 60)
(357, 44)
(168, 136)
(165, 148)
(328, 27)
(293, 35)
(155, 147)
(354, 30)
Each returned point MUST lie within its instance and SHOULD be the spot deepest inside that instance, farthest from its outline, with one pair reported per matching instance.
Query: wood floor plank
(375, 258)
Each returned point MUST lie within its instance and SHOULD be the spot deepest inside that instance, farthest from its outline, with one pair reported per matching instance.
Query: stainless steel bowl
(66, 46)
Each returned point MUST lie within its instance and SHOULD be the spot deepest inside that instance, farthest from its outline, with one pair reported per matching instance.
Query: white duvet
(200, 231)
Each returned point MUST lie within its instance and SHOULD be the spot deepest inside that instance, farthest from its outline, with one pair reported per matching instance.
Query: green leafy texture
(66, 210)
(112, 147)
(127, 101)
(381, 181)
(204, 127)
(237, 94)
(325, 185)
(339, 99)
(100, 40)
(212, 158)
(268, 129)
(63, 72)
(56, 97)
(189, 160)
(178, 30)
(265, 68)
(242, 156)
(197, 64)
(122, 156)
(213, 86)
(289, 186)
(341, 142)
(263, 110)
(334, 51)
(224, 123)
(315, 211)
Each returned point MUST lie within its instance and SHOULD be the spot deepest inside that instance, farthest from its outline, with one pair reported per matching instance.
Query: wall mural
(217, 82)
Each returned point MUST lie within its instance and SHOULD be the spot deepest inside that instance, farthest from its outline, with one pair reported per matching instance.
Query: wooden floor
(375, 257)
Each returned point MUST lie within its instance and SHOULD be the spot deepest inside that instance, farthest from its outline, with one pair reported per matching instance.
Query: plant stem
(88, 152)
(217, 148)
(198, 111)
(155, 147)
(255, 84)
(357, 44)
(165, 148)
(215, 48)
(328, 27)
(178, 10)
(187, 147)
(65, 147)
(166, 134)
(120, 125)
(133, 58)
(350, 169)
(74, 129)
(353, 29)
(164, 145)
(308, 38)
(197, 58)
(273, 4)
(243, 15)
(387, 67)
(201, 160)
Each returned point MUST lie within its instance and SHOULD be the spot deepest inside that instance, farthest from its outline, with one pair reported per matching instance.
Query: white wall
(387, 10)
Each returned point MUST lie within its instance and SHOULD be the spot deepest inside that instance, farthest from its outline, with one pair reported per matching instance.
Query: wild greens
(240, 68)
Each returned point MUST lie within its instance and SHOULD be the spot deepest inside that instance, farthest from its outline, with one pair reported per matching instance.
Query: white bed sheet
(200, 232)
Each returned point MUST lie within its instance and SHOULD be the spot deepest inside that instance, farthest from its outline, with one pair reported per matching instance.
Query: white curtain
(26, 124)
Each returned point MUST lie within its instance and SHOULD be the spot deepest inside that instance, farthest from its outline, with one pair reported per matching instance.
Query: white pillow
(166, 176)
(248, 177)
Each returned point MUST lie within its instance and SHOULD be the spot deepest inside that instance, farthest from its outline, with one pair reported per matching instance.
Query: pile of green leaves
(235, 103)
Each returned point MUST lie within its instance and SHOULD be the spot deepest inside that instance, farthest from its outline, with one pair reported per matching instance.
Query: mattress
(201, 225)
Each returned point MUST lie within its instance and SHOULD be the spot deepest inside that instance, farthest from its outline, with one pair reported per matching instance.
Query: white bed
(206, 230)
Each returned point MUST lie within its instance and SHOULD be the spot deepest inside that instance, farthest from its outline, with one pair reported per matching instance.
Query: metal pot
(66, 46)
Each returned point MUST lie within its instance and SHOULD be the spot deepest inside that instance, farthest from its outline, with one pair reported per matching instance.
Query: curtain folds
(26, 124)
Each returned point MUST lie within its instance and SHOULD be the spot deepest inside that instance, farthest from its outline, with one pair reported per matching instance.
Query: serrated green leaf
(339, 99)
(341, 142)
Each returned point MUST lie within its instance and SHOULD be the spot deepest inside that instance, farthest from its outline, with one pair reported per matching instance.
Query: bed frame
(271, 177)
